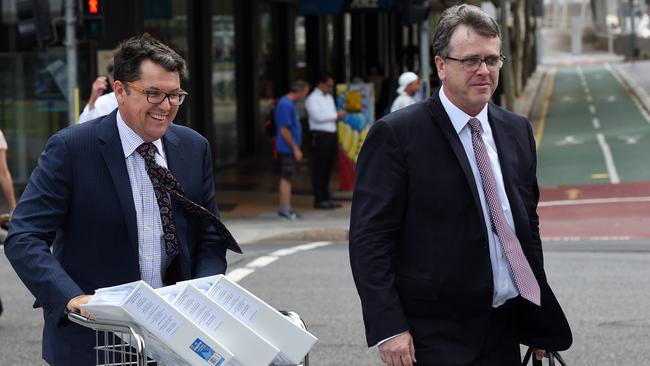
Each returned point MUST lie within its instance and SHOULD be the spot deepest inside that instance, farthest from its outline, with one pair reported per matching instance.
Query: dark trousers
(324, 153)
(501, 344)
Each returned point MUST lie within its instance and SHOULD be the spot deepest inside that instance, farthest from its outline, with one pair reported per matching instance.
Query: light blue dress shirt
(504, 286)
(152, 256)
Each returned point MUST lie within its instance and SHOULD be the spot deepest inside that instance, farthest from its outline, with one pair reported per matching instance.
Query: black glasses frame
(151, 92)
(474, 63)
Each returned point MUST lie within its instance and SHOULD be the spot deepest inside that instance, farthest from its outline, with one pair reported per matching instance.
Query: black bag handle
(552, 357)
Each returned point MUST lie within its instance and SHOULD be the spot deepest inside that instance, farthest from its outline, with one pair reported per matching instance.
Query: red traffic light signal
(92, 8)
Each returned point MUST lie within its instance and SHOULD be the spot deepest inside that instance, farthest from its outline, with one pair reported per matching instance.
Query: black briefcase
(553, 357)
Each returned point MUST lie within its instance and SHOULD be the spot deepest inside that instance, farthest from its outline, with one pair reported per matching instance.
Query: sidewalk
(251, 215)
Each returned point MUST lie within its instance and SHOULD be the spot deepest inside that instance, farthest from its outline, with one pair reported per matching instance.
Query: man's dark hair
(298, 86)
(325, 77)
(133, 51)
(468, 15)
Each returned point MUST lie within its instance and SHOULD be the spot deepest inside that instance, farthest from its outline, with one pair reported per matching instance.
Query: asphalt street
(602, 286)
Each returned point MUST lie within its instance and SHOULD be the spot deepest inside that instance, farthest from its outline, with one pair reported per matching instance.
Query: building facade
(241, 55)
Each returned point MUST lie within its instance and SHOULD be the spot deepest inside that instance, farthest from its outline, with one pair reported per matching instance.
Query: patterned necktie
(519, 266)
(164, 183)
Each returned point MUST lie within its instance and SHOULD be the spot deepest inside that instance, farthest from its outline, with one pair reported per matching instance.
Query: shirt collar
(459, 118)
(131, 140)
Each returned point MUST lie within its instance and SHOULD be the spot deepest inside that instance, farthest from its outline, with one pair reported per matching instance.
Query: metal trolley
(123, 344)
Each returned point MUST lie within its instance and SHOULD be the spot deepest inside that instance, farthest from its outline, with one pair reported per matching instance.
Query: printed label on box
(236, 301)
(205, 352)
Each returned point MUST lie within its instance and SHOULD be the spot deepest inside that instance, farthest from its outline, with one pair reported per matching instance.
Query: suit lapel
(110, 147)
(178, 165)
(504, 138)
(440, 117)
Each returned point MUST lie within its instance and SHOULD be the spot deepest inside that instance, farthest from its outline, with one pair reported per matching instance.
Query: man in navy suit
(444, 237)
(90, 218)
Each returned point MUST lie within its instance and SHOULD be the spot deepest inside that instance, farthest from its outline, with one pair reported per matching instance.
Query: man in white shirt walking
(322, 124)
(409, 84)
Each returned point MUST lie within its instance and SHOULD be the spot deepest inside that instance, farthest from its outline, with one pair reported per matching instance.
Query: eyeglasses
(471, 64)
(156, 96)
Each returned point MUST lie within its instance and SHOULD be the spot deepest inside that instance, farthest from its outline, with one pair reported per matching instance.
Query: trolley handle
(105, 325)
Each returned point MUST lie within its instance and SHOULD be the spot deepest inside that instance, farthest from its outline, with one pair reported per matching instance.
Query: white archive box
(293, 341)
(248, 347)
(170, 336)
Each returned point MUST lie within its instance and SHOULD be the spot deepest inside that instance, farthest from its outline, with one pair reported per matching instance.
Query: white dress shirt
(152, 256)
(504, 286)
(402, 100)
(104, 105)
(322, 111)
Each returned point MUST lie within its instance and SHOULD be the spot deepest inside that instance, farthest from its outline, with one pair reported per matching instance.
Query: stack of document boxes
(207, 321)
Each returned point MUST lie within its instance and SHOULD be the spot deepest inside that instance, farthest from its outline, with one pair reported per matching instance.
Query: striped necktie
(519, 267)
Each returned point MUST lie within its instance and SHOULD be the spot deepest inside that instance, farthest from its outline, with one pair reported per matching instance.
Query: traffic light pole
(71, 59)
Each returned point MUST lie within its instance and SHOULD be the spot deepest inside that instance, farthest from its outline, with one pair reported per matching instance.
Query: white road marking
(263, 261)
(609, 159)
(589, 99)
(569, 140)
(594, 201)
(238, 274)
(596, 123)
(592, 109)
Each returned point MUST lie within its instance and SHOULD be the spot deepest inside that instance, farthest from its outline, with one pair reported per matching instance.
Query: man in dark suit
(91, 199)
(444, 239)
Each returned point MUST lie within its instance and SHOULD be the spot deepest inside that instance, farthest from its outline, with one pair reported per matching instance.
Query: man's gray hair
(463, 14)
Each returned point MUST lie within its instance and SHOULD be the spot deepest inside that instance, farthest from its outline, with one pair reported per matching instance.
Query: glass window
(224, 97)
(33, 105)
(166, 20)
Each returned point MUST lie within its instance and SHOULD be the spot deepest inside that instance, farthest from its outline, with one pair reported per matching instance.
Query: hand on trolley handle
(74, 305)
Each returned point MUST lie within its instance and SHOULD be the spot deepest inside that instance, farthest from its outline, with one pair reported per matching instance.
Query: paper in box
(169, 335)
(292, 341)
(248, 348)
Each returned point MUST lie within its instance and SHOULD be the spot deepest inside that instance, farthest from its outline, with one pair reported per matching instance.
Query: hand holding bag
(553, 356)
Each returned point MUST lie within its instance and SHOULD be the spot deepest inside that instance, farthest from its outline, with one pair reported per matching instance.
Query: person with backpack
(288, 143)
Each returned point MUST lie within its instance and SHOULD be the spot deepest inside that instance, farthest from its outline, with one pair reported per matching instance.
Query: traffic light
(34, 24)
(413, 11)
(92, 19)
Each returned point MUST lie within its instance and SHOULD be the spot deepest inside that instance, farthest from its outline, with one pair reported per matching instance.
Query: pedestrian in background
(444, 235)
(289, 142)
(409, 85)
(323, 115)
(117, 200)
(7, 184)
(100, 104)
(388, 91)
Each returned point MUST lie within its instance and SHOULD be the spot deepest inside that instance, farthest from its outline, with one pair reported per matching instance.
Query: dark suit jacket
(418, 240)
(79, 202)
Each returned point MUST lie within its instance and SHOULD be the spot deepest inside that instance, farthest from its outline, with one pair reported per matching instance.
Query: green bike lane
(593, 166)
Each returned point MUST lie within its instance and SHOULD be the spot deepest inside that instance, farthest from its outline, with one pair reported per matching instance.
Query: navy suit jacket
(74, 229)
(418, 240)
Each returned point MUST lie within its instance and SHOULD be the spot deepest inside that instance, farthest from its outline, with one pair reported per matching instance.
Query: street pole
(632, 31)
(425, 56)
(347, 36)
(71, 59)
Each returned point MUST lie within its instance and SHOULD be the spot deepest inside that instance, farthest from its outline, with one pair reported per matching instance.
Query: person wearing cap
(100, 105)
(409, 84)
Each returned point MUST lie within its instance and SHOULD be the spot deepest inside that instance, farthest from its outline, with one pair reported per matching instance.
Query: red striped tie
(519, 266)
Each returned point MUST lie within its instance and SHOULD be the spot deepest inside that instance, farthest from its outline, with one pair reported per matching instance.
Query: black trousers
(324, 154)
(501, 344)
